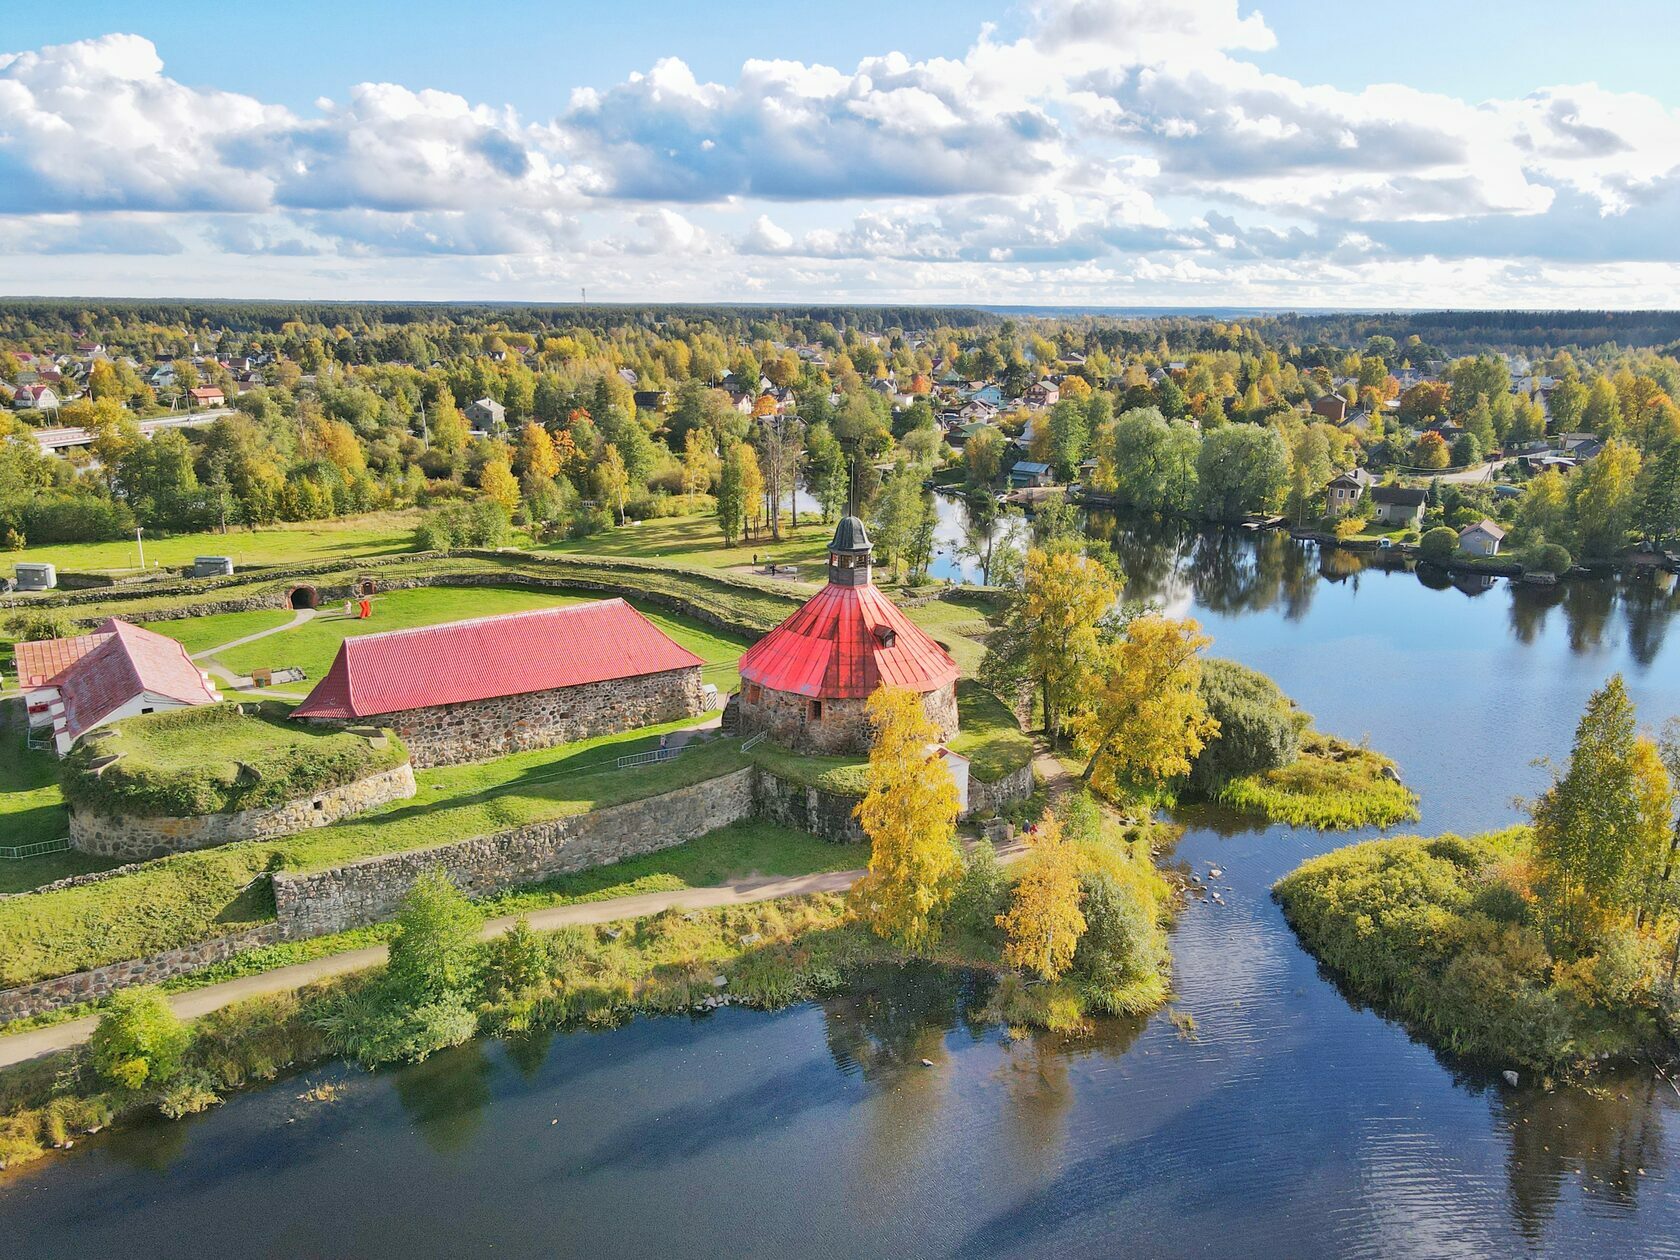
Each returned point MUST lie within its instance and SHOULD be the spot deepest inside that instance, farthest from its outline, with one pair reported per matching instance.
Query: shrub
(139, 1041)
(1259, 728)
(982, 894)
(515, 961)
(472, 523)
(434, 953)
(1551, 558)
(39, 623)
(64, 518)
(1350, 527)
(1121, 943)
(1438, 543)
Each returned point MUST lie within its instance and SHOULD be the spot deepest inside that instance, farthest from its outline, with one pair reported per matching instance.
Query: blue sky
(1072, 151)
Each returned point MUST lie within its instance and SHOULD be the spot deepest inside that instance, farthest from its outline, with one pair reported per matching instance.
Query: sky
(1295, 154)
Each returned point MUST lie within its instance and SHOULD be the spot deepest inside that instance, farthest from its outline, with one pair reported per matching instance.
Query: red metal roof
(41, 662)
(486, 657)
(96, 673)
(831, 649)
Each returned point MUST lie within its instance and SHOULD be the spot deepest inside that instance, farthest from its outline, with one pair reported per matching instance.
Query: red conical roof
(843, 644)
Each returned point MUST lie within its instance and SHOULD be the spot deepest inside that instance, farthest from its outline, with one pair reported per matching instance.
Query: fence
(17, 852)
(647, 758)
(754, 742)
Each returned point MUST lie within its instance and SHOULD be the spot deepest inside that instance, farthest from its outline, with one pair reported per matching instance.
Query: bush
(474, 523)
(1259, 728)
(982, 894)
(515, 961)
(63, 518)
(1438, 543)
(39, 623)
(1350, 527)
(1121, 943)
(1551, 558)
(139, 1042)
(434, 954)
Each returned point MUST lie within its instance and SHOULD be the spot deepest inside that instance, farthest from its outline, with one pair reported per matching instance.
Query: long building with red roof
(120, 670)
(806, 682)
(471, 690)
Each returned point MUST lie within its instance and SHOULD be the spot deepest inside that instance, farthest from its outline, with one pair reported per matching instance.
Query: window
(752, 693)
(816, 710)
(148, 710)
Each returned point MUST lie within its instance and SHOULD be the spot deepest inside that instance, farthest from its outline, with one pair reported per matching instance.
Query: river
(1292, 1123)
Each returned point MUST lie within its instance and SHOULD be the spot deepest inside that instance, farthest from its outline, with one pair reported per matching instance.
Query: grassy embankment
(1332, 785)
(1439, 932)
(768, 955)
(374, 534)
(216, 760)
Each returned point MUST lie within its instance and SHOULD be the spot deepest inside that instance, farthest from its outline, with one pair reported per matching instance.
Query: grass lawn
(314, 644)
(198, 634)
(376, 534)
(750, 848)
(696, 540)
(213, 759)
(31, 806)
(960, 624)
(990, 738)
(176, 900)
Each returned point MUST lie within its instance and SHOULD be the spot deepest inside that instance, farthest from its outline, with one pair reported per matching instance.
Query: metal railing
(647, 758)
(17, 852)
(749, 744)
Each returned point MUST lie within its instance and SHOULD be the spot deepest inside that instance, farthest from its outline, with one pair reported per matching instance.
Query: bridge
(57, 440)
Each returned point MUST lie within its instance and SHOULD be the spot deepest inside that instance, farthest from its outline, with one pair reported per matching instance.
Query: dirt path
(298, 618)
(19, 1047)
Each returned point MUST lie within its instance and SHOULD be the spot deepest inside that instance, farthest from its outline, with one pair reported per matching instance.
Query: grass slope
(376, 534)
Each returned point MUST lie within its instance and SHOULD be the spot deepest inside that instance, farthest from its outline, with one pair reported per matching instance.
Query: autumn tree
(1064, 599)
(1043, 924)
(612, 481)
(697, 461)
(1590, 829)
(909, 814)
(499, 485)
(1144, 717)
(537, 457)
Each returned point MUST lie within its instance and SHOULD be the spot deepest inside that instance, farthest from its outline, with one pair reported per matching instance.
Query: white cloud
(1122, 143)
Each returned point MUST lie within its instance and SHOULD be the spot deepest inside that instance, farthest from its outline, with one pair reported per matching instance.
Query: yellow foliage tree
(1653, 795)
(698, 463)
(498, 484)
(1066, 594)
(537, 457)
(910, 817)
(1044, 922)
(1144, 717)
(612, 480)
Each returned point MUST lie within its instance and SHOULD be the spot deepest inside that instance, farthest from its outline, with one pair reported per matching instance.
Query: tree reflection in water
(1607, 1138)
(446, 1095)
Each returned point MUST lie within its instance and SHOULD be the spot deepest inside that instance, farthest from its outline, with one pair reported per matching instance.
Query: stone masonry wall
(132, 836)
(89, 986)
(482, 729)
(987, 800)
(826, 815)
(843, 726)
(318, 902)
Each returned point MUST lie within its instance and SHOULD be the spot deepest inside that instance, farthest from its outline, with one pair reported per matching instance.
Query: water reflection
(445, 1096)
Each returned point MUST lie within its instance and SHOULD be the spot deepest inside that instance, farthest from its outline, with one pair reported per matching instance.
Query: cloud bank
(1119, 151)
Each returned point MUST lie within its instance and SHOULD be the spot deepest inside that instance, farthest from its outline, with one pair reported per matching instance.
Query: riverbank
(1331, 786)
(687, 957)
(1437, 932)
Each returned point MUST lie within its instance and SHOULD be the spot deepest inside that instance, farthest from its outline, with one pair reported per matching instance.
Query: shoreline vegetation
(1331, 786)
(444, 986)
(1553, 946)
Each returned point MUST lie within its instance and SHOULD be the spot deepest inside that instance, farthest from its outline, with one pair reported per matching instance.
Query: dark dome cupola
(848, 554)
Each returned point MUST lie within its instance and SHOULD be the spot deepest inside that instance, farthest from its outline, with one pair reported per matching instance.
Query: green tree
(434, 953)
(139, 1041)
(1604, 499)
(1242, 468)
(1587, 836)
(732, 495)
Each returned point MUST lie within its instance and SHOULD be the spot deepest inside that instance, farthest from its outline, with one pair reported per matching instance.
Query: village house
(1042, 394)
(1398, 505)
(1345, 490)
(1332, 407)
(121, 670)
(35, 398)
(805, 683)
(486, 414)
(1029, 473)
(1481, 539)
(206, 396)
(483, 688)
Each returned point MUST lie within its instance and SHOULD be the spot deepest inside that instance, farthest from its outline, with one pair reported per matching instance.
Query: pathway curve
(19, 1047)
(298, 618)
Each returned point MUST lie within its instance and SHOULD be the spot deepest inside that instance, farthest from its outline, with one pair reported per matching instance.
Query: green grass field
(989, 737)
(31, 806)
(696, 540)
(197, 634)
(176, 900)
(376, 534)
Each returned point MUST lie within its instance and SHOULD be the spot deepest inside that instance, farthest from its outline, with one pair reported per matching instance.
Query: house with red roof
(472, 690)
(120, 670)
(805, 683)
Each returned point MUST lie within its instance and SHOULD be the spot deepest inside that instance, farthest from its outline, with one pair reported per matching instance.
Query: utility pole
(141, 545)
(425, 433)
